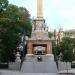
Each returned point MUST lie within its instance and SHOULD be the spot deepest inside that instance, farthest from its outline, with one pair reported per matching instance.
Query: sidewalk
(9, 72)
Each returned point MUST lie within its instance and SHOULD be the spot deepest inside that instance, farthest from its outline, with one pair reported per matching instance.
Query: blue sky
(57, 13)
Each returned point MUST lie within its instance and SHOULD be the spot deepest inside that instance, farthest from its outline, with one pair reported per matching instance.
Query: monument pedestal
(39, 58)
(39, 64)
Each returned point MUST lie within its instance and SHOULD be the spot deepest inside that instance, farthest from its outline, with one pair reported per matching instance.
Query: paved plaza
(8, 72)
(11, 72)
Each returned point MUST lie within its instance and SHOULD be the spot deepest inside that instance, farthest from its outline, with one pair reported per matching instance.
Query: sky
(57, 13)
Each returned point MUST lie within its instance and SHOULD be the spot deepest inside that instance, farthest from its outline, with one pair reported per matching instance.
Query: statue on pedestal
(18, 57)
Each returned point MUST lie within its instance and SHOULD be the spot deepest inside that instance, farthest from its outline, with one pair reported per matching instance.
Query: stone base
(14, 65)
(32, 65)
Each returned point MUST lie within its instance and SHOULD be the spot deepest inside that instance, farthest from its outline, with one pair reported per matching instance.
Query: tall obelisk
(39, 8)
(39, 57)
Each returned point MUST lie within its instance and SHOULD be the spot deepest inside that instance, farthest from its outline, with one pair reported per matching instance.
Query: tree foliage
(66, 48)
(3, 5)
(13, 21)
(51, 34)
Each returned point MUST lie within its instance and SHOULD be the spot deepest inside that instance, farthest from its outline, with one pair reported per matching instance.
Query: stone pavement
(8, 72)
(11, 72)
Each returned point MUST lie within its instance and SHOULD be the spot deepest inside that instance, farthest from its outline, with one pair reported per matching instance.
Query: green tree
(51, 34)
(66, 49)
(12, 22)
(3, 5)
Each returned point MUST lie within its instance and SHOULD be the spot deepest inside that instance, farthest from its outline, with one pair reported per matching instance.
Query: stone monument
(39, 57)
(15, 65)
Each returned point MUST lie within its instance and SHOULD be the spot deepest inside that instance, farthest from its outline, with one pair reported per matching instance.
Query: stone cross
(39, 9)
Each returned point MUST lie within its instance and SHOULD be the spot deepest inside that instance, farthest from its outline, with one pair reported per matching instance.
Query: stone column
(49, 48)
(29, 48)
(39, 9)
